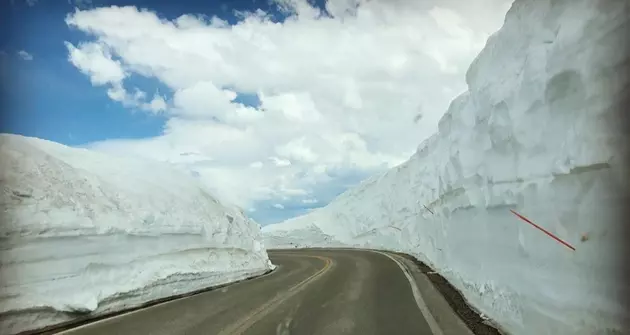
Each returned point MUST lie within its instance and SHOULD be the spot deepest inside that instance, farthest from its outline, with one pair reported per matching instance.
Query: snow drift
(297, 236)
(535, 133)
(87, 232)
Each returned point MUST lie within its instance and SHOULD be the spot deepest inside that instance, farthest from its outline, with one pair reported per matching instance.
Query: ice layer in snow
(535, 133)
(85, 232)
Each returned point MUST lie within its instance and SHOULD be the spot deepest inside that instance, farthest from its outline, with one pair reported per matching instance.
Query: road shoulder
(450, 309)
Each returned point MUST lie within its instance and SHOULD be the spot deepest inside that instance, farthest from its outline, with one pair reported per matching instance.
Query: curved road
(311, 292)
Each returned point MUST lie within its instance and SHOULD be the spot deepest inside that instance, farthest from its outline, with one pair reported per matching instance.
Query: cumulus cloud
(25, 55)
(96, 61)
(280, 162)
(340, 89)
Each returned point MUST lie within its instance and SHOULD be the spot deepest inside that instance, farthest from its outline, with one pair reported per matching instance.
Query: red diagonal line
(543, 230)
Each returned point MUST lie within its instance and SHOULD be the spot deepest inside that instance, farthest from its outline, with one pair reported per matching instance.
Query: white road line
(435, 329)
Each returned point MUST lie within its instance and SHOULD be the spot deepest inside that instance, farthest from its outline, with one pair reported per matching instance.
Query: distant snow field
(535, 133)
(86, 232)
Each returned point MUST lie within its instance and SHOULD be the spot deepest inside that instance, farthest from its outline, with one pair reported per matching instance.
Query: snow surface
(87, 232)
(535, 133)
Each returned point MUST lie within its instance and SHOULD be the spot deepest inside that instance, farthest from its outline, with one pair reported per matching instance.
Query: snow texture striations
(534, 133)
(84, 232)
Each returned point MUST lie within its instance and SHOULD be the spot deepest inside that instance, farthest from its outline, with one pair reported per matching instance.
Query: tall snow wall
(84, 232)
(535, 133)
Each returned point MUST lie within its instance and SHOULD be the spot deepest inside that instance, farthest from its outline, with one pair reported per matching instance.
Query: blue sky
(278, 106)
(57, 102)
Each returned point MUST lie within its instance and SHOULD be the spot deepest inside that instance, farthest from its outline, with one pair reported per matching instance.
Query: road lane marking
(245, 323)
(435, 329)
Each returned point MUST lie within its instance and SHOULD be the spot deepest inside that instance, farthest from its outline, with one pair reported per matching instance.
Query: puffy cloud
(95, 60)
(340, 90)
(25, 55)
(280, 162)
(204, 99)
(157, 104)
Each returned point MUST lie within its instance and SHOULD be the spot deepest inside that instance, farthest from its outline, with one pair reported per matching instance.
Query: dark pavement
(311, 292)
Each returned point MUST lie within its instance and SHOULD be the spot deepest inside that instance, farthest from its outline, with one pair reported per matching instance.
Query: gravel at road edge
(456, 300)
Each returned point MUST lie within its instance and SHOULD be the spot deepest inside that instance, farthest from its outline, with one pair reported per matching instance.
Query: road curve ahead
(311, 292)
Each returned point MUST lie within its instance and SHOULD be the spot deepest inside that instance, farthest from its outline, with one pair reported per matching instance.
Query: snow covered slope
(297, 236)
(535, 133)
(87, 232)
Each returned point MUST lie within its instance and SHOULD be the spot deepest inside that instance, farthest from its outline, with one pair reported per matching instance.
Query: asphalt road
(311, 292)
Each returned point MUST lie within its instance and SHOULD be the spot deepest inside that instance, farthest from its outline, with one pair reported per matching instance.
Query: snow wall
(84, 232)
(534, 133)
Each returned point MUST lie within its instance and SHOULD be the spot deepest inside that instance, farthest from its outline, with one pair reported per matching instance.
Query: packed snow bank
(298, 236)
(535, 133)
(87, 232)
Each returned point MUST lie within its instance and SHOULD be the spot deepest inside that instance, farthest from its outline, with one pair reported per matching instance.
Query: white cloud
(25, 55)
(95, 60)
(204, 99)
(310, 201)
(339, 93)
(136, 100)
(280, 162)
(278, 206)
(157, 104)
